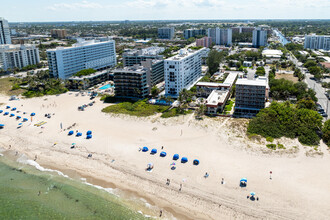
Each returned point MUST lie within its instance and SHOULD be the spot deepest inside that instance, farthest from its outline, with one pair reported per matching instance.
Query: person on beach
(9, 146)
(162, 147)
(206, 175)
(160, 213)
(35, 157)
(222, 181)
(180, 187)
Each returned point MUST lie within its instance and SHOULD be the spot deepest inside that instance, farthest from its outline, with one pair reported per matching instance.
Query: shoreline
(219, 144)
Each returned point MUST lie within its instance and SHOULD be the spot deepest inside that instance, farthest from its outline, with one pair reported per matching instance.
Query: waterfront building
(66, 61)
(220, 36)
(4, 32)
(131, 82)
(133, 57)
(58, 33)
(242, 29)
(166, 33)
(84, 82)
(188, 33)
(204, 42)
(251, 95)
(155, 71)
(259, 38)
(182, 71)
(18, 56)
(314, 41)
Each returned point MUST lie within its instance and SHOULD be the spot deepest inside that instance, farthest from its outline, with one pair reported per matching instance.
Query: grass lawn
(139, 108)
(175, 112)
(6, 85)
(229, 106)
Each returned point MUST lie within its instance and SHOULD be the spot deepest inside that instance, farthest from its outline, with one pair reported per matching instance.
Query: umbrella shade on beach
(196, 162)
(13, 109)
(89, 133)
(176, 156)
(33, 114)
(7, 106)
(184, 160)
(145, 149)
(1, 111)
(163, 154)
(243, 180)
(25, 119)
(89, 136)
(79, 134)
(18, 117)
(153, 151)
(71, 133)
(252, 193)
(2, 125)
(6, 113)
(12, 115)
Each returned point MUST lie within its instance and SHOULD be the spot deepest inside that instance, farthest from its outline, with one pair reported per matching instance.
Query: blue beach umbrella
(25, 119)
(176, 156)
(12, 115)
(145, 149)
(70, 132)
(163, 154)
(79, 134)
(13, 109)
(153, 151)
(243, 180)
(252, 193)
(6, 113)
(2, 125)
(89, 133)
(33, 114)
(7, 106)
(184, 160)
(18, 117)
(1, 111)
(89, 136)
(196, 162)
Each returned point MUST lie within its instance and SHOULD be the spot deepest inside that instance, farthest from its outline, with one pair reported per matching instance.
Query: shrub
(271, 146)
(269, 139)
(280, 146)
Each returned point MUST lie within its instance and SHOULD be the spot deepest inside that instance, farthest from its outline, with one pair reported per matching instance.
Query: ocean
(29, 191)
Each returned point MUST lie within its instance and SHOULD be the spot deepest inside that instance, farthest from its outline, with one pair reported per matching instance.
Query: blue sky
(100, 10)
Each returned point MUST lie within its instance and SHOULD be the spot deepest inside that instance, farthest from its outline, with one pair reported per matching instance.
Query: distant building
(133, 57)
(313, 41)
(242, 29)
(131, 82)
(220, 36)
(259, 38)
(18, 56)
(182, 71)
(166, 33)
(272, 53)
(188, 33)
(204, 42)
(58, 33)
(216, 101)
(4, 32)
(250, 96)
(155, 71)
(66, 61)
(84, 82)
(247, 63)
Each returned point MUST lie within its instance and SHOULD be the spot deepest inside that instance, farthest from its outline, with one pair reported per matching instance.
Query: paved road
(317, 87)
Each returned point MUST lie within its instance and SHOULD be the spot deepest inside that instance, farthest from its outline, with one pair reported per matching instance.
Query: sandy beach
(299, 187)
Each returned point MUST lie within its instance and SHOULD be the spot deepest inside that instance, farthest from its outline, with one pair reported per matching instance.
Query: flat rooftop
(81, 43)
(217, 97)
(261, 81)
(184, 53)
(231, 78)
(272, 53)
(98, 73)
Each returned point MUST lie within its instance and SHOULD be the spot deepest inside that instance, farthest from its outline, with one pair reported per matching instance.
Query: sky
(114, 10)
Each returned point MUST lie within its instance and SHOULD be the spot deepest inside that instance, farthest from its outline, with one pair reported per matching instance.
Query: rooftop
(231, 78)
(81, 43)
(135, 69)
(217, 97)
(184, 53)
(15, 47)
(260, 81)
(89, 76)
(271, 53)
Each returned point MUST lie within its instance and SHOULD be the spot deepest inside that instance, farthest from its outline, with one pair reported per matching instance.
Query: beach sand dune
(298, 189)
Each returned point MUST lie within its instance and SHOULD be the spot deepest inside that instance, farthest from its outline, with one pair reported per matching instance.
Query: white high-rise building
(259, 38)
(18, 56)
(67, 61)
(4, 32)
(313, 42)
(182, 71)
(220, 36)
(166, 33)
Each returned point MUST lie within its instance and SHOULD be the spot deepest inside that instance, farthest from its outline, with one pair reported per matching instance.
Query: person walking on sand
(160, 213)
(180, 187)
(35, 157)
(222, 181)
(162, 147)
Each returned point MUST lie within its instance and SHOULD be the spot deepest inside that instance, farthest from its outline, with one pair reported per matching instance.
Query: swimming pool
(107, 86)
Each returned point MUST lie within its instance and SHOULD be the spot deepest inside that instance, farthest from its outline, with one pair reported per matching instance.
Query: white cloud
(74, 6)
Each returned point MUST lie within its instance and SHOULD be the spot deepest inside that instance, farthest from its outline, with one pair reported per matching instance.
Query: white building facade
(259, 38)
(67, 61)
(220, 36)
(317, 42)
(4, 32)
(182, 71)
(18, 56)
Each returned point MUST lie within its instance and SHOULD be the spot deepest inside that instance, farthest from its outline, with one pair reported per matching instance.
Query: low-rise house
(216, 101)
(85, 82)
